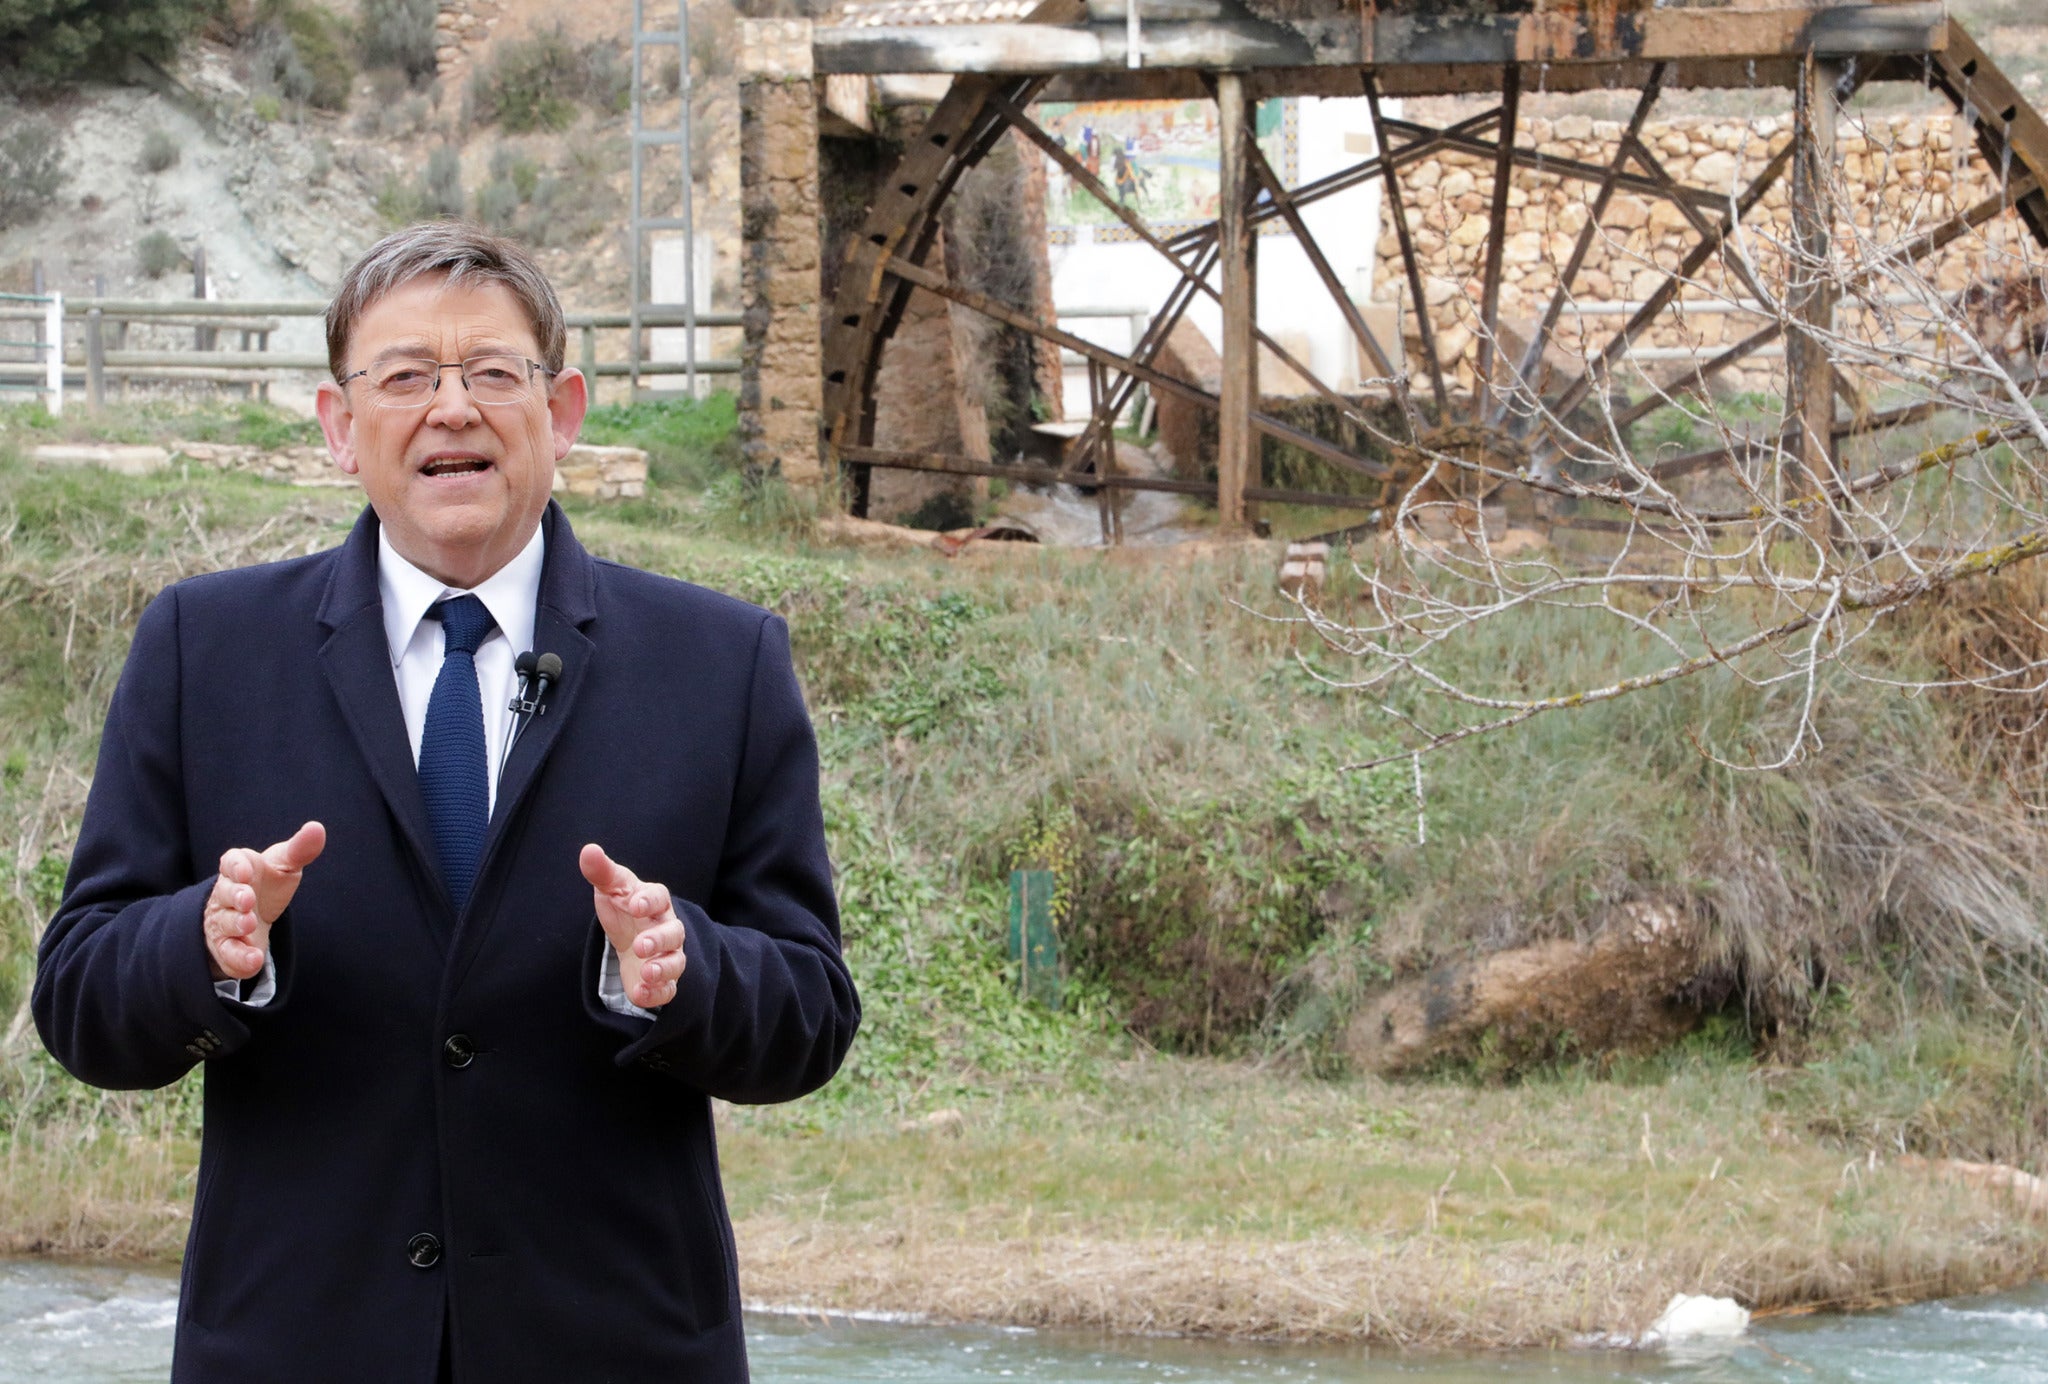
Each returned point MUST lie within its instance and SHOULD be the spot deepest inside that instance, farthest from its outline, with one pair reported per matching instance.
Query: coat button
(423, 1251)
(458, 1050)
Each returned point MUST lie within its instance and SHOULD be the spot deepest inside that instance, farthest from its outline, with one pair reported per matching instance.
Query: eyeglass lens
(489, 379)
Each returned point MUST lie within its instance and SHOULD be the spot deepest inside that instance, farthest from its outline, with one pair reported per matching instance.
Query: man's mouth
(454, 466)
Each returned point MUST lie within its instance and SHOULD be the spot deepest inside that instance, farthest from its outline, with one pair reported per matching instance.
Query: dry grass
(1227, 1200)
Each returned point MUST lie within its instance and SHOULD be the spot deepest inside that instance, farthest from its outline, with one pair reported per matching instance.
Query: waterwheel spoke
(1496, 241)
(921, 277)
(1353, 318)
(1546, 326)
(1417, 303)
(1693, 379)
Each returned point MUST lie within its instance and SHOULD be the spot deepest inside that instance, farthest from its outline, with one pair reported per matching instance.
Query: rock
(1469, 231)
(1716, 170)
(1573, 127)
(126, 460)
(1616, 992)
(602, 473)
(1696, 1318)
(1627, 212)
(1457, 183)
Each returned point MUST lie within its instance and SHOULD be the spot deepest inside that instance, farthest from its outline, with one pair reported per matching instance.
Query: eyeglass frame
(461, 365)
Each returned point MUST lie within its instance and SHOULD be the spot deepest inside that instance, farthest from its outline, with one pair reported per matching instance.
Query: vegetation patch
(541, 81)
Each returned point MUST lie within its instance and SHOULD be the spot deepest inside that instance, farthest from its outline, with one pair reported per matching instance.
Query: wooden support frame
(1809, 367)
(1235, 446)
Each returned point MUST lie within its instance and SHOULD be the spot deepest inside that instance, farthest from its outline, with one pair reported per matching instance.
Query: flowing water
(72, 1324)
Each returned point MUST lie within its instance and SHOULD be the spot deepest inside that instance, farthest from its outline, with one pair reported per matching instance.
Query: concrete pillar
(782, 367)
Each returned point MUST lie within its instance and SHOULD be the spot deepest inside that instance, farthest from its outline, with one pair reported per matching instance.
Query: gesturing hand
(641, 924)
(252, 889)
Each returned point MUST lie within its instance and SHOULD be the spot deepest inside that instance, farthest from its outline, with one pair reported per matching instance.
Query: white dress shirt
(418, 646)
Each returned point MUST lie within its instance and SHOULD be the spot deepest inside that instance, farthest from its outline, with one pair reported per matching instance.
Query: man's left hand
(640, 922)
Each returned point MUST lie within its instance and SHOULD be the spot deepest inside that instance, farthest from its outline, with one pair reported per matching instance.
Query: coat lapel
(567, 604)
(357, 661)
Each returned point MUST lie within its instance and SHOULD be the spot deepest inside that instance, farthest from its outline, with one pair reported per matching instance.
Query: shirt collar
(510, 594)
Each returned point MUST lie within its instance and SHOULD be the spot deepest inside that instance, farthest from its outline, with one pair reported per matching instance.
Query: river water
(71, 1324)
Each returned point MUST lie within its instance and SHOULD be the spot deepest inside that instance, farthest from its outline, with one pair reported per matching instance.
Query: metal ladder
(644, 139)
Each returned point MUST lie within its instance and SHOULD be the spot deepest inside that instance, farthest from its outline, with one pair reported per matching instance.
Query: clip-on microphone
(536, 676)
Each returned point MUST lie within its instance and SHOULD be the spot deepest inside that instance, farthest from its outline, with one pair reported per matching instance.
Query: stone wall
(1904, 171)
(460, 29)
(782, 379)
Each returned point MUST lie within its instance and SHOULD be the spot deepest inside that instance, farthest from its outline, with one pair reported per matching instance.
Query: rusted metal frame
(1270, 426)
(1576, 170)
(1653, 307)
(1496, 240)
(1344, 179)
(1353, 318)
(940, 160)
(1694, 380)
(1906, 414)
(1095, 446)
(1140, 228)
(1703, 228)
(1153, 341)
(1418, 304)
(1581, 33)
(1532, 354)
(2008, 126)
(953, 464)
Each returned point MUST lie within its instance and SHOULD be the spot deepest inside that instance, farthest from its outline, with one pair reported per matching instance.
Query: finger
(299, 850)
(239, 865)
(605, 874)
(239, 959)
(653, 996)
(649, 901)
(662, 937)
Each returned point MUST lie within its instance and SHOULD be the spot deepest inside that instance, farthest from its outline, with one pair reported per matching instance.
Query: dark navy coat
(435, 1116)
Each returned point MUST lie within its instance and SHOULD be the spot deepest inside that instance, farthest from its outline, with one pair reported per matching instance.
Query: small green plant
(31, 168)
(441, 184)
(266, 107)
(537, 83)
(159, 150)
(399, 35)
(157, 254)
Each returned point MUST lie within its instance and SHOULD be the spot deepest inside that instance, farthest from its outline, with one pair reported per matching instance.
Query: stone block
(775, 49)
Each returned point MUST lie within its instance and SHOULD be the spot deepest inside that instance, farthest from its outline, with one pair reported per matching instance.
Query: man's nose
(452, 408)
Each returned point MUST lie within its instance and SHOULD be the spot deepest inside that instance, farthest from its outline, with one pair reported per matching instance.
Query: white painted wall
(1291, 297)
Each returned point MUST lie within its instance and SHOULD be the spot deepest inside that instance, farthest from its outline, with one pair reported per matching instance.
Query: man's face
(458, 485)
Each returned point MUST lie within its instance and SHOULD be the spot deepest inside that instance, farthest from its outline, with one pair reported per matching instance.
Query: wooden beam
(1496, 239)
(952, 464)
(1589, 32)
(1234, 442)
(1809, 297)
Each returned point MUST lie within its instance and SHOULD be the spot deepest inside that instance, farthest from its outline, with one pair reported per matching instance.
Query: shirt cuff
(611, 987)
(262, 989)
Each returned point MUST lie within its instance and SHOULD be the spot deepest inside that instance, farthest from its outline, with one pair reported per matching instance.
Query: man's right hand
(252, 890)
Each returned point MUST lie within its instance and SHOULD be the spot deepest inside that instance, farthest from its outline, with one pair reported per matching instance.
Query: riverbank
(1207, 1198)
(1185, 1143)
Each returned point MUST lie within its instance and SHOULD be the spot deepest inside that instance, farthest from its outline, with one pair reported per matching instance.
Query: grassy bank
(1182, 1145)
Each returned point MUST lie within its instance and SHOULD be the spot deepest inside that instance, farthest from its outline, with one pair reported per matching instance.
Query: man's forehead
(432, 315)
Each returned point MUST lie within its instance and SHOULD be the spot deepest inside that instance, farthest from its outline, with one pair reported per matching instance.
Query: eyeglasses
(403, 382)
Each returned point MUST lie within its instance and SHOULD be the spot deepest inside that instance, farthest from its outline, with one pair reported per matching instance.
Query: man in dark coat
(460, 1045)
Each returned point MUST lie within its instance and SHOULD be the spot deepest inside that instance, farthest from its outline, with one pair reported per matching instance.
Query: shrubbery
(537, 83)
(31, 168)
(58, 39)
(157, 254)
(563, 206)
(399, 34)
(159, 150)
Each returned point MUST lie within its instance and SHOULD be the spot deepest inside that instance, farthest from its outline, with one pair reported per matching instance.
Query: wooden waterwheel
(1516, 401)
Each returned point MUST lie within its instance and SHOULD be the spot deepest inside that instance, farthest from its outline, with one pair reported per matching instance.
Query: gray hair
(464, 255)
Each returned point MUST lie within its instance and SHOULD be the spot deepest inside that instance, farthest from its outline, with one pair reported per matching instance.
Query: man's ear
(337, 421)
(567, 403)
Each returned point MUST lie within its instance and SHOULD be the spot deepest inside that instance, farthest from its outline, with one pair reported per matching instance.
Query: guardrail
(103, 330)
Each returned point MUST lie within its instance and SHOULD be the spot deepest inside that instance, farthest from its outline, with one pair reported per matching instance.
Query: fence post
(202, 337)
(95, 363)
(52, 331)
(263, 344)
(589, 361)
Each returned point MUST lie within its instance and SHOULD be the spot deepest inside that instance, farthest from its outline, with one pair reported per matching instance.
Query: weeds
(157, 254)
(159, 150)
(31, 168)
(538, 82)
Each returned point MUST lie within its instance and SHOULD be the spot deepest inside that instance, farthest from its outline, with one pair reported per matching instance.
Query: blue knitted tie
(454, 765)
